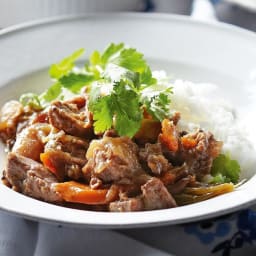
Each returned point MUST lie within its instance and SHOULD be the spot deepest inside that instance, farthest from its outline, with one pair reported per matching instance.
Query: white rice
(201, 106)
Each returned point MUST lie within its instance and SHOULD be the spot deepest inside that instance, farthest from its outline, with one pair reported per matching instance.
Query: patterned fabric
(225, 235)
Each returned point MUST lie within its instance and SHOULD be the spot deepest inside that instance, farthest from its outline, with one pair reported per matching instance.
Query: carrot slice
(49, 164)
(169, 136)
(188, 143)
(72, 191)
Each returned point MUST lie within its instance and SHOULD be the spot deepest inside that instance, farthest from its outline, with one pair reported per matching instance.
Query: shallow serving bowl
(185, 48)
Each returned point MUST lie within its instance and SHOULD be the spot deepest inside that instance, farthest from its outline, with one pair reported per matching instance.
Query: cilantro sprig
(127, 75)
(121, 109)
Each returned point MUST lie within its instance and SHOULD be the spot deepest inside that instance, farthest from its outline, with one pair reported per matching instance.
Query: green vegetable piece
(110, 52)
(127, 110)
(32, 100)
(146, 77)
(51, 93)
(65, 66)
(157, 101)
(75, 82)
(95, 58)
(225, 169)
(102, 114)
(158, 106)
(219, 179)
(120, 110)
(130, 59)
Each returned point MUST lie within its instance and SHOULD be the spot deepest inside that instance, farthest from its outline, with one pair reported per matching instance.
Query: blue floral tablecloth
(229, 235)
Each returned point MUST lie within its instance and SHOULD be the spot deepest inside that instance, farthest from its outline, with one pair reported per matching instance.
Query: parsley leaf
(51, 93)
(127, 109)
(130, 59)
(156, 100)
(225, 169)
(74, 82)
(65, 66)
(102, 114)
(95, 58)
(120, 110)
(158, 106)
(111, 51)
(146, 77)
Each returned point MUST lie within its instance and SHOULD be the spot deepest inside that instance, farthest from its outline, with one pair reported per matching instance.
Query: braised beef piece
(197, 149)
(30, 141)
(72, 117)
(73, 145)
(180, 185)
(112, 159)
(110, 133)
(63, 164)
(199, 157)
(127, 205)
(9, 119)
(152, 158)
(175, 118)
(66, 154)
(156, 196)
(174, 174)
(14, 118)
(31, 178)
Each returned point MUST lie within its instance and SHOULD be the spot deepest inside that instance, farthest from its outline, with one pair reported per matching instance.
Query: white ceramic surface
(186, 48)
(17, 11)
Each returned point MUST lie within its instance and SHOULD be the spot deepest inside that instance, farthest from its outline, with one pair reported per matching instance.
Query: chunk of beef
(63, 165)
(69, 117)
(30, 141)
(148, 132)
(156, 196)
(73, 145)
(152, 157)
(9, 118)
(65, 155)
(174, 174)
(198, 151)
(176, 118)
(128, 205)
(180, 185)
(112, 159)
(31, 178)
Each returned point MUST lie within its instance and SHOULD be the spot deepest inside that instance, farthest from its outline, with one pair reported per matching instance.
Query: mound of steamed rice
(201, 106)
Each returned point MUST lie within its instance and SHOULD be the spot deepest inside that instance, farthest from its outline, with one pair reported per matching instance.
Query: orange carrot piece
(75, 192)
(46, 160)
(169, 136)
(188, 143)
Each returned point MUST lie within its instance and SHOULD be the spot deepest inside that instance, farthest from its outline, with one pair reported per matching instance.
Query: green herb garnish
(127, 75)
